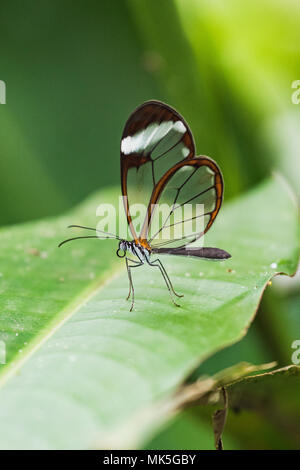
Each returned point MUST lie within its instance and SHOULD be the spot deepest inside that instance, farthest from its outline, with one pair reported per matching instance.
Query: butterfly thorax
(136, 248)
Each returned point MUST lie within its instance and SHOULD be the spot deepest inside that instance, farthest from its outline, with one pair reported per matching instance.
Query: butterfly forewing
(155, 138)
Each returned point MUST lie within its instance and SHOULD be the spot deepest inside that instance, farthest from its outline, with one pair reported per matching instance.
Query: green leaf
(89, 366)
(263, 412)
(270, 405)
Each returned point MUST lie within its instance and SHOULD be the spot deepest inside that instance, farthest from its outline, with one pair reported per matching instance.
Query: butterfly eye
(121, 250)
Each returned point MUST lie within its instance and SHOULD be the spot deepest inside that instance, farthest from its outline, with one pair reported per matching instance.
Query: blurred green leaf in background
(73, 72)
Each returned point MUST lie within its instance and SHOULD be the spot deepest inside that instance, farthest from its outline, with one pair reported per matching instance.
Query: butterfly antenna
(111, 235)
(78, 238)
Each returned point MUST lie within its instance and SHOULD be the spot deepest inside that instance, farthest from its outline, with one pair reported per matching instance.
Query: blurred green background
(75, 70)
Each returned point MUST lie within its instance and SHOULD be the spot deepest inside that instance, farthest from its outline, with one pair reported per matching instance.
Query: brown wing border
(197, 162)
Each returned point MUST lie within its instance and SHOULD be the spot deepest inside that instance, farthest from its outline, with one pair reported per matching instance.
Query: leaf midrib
(60, 319)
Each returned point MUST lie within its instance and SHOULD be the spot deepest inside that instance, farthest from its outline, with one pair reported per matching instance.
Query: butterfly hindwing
(184, 204)
(155, 138)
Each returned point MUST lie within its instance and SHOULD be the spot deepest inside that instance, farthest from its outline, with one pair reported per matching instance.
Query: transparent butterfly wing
(171, 197)
(187, 204)
(155, 138)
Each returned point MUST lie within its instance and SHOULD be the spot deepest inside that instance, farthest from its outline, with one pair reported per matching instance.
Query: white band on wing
(146, 139)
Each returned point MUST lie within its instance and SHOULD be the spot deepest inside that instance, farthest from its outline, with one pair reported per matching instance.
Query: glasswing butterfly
(158, 162)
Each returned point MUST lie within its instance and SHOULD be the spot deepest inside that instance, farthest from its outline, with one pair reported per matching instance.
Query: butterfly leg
(131, 288)
(166, 279)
